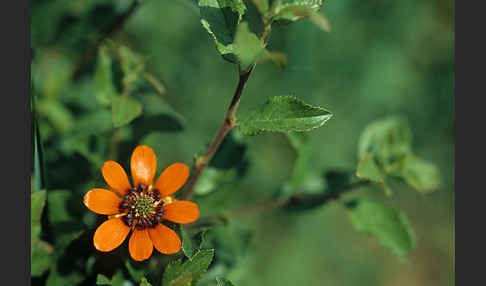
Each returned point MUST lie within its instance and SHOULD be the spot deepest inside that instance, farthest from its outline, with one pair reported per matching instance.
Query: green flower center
(144, 206)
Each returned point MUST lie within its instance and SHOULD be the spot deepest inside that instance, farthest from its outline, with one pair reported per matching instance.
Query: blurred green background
(381, 58)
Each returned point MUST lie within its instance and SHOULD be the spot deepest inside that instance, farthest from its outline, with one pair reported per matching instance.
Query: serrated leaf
(195, 267)
(387, 224)
(105, 88)
(224, 282)
(37, 203)
(220, 18)
(40, 257)
(248, 47)
(192, 241)
(124, 110)
(283, 114)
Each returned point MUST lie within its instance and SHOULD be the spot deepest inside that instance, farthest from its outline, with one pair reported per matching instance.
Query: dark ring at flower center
(141, 208)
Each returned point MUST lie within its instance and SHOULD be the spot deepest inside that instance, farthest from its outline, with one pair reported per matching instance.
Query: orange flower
(141, 209)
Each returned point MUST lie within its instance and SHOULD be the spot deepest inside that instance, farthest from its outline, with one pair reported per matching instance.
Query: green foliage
(144, 282)
(221, 18)
(387, 224)
(41, 257)
(224, 282)
(283, 114)
(125, 110)
(181, 272)
(192, 241)
(110, 75)
(300, 170)
(385, 149)
(37, 202)
(105, 87)
(116, 280)
(248, 47)
(102, 280)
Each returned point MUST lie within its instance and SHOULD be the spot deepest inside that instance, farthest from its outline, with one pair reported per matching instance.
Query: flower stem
(228, 124)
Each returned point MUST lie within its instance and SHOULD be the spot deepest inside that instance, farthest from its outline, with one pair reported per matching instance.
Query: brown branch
(228, 124)
(314, 200)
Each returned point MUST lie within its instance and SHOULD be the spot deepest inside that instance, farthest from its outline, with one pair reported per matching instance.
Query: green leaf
(55, 278)
(261, 5)
(65, 226)
(136, 273)
(105, 88)
(124, 110)
(367, 169)
(300, 170)
(37, 202)
(132, 66)
(390, 140)
(37, 179)
(248, 47)
(116, 280)
(385, 150)
(221, 18)
(387, 224)
(144, 282)
(40, 257)
(283, 114)
(155, 105)
(421, 175)
(94, 123)
(102, 280)
(57, 114)
(192, 241)
(213, 179)
(293, 10)
(183, 280)
(194, 268)
(224, 282)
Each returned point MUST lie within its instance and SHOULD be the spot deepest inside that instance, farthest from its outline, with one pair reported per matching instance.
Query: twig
(295, 200)
(228, 124)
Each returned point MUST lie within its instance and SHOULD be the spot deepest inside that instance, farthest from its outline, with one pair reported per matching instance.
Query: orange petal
(172, 179)
(165, 239)
(140, 246)
(110, 234)
(181, 212)
(102, 201)
(116, 177)
(143, 165)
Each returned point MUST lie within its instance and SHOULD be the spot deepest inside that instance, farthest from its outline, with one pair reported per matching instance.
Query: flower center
(142, 206)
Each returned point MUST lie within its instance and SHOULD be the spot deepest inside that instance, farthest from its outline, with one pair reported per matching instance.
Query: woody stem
(229, 123)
